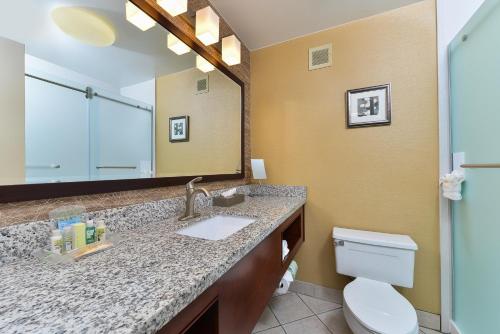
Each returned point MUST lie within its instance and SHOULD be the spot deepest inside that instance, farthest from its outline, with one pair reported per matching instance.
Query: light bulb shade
(137, 17)
(207, 26)
(204, 65)
(231, 50)
(173, 7)
(176, 45)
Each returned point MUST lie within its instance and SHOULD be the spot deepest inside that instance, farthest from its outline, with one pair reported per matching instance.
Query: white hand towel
(285, 249)
(452, 185)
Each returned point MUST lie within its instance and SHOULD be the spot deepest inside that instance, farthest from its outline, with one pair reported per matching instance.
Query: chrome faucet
(191, 193)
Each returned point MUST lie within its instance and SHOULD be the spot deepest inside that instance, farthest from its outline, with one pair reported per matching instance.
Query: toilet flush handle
(338, 243)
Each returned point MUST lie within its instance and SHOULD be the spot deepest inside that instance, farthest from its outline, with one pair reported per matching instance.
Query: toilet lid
(380, 308)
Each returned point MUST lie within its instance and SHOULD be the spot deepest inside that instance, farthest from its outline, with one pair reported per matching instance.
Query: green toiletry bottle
(100, 232)
(90, 232)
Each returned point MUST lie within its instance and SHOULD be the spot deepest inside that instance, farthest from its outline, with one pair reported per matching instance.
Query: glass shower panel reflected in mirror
(121, 132)
(57, 137)
(113, 104)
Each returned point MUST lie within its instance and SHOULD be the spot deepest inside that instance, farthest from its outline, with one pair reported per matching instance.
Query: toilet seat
(379, 308)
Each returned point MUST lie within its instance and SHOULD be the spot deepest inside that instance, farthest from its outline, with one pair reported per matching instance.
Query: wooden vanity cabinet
(235, 302)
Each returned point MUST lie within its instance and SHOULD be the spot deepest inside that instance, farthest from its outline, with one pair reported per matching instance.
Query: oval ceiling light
(84, 25)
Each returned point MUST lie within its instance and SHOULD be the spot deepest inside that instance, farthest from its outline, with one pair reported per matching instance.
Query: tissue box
(228, 201)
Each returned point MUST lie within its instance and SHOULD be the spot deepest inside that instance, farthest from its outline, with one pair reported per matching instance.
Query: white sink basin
(216, 228)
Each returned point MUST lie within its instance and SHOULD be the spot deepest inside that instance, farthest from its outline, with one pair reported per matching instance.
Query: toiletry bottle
(79, 230)
(100, 231)
(90, 232)
(68, 239)
(56, 242)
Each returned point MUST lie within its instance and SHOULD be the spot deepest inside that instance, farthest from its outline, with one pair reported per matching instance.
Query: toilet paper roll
(284, 284)
(283, 287)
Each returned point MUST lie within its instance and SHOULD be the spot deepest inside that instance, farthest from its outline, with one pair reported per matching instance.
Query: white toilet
(378, 261)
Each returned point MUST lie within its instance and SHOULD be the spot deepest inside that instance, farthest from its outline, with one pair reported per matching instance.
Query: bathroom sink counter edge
(142, 283)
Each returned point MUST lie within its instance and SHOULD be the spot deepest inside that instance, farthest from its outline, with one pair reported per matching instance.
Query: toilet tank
(382, 257)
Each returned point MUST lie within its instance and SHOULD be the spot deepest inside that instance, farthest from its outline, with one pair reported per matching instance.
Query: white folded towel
(452, 185)
(285, 250)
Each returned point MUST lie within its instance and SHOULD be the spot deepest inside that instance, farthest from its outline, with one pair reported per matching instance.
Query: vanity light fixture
(231, 50)
(176, 45)
(173, 7)
(138, 18)
(207, 26)
(204, 65)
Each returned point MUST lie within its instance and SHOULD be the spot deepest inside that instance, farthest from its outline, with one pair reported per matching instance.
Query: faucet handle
(190, 184)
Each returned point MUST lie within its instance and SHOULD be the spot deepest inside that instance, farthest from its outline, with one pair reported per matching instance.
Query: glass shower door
(57, 133)
(475, 121)
(121, 138)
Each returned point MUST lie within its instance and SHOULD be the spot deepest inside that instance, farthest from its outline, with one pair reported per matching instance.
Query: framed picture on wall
(179, 129)
(369, 106)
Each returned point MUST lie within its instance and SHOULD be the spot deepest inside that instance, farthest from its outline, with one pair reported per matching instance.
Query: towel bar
(480, 166)
(116, 167)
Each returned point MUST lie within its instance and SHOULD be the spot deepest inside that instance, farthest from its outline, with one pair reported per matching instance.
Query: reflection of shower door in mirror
(57, 133)
(121, 138)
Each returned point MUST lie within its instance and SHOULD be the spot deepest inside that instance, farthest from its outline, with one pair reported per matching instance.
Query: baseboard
(454, 328)
(425, 319)
(429, 320)
(317, 291)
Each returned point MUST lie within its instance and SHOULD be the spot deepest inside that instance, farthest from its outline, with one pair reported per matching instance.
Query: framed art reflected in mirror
(179, 129)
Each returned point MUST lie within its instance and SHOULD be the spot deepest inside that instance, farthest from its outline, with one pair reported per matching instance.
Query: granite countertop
(138, 286)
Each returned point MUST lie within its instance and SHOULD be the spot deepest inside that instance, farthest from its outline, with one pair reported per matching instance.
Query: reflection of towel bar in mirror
(116, 167)
(480, 166)
(52, 166)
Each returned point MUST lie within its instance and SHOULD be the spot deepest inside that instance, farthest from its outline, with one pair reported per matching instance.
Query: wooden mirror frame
(28, 192)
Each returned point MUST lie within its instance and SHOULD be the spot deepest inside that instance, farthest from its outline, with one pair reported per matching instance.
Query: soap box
(228, 201)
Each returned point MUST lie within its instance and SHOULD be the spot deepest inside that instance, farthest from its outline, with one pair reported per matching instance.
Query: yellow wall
(11, 112)
(380, 178)
(214, 146)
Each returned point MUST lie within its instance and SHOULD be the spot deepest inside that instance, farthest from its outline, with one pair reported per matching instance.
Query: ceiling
(261, 23)
(135, 57)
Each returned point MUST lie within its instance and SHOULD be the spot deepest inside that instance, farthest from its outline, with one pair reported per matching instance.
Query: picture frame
(179, 129)
(370, 106)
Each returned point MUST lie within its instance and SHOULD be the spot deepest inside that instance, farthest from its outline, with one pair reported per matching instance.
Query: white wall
(143, 91)
(51, 71)
(452, 15)
(11, 112)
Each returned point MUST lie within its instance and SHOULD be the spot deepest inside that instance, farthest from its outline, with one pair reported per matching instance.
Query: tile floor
(295, 313)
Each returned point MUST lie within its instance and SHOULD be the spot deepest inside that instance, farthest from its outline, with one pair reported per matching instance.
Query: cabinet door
(245, 289)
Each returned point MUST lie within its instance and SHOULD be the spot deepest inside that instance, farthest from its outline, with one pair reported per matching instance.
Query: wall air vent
(320, 57)
(202, 85)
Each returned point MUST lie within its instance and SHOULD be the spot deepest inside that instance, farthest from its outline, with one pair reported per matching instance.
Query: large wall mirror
(85, 95)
